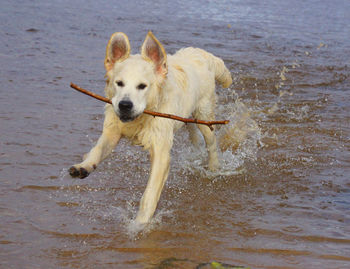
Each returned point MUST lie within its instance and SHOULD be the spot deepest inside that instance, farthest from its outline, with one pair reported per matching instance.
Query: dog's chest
(149, 131)
(139, 132)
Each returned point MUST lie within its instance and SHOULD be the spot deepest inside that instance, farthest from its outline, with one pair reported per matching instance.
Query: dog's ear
(118, 49)
(153, 51)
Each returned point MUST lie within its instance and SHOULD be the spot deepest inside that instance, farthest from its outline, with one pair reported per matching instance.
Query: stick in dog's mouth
(152, 113)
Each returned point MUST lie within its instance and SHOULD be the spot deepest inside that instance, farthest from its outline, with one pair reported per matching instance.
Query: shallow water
(282, 197)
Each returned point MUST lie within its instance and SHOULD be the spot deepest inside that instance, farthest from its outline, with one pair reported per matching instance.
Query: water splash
(126, 216)
(300, 114)
(238, 142)
(91, 208)
(137, 231)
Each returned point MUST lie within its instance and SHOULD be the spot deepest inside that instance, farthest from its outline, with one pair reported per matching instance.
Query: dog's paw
(80, 173)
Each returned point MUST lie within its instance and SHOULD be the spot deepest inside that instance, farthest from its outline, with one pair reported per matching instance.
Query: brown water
(282, 197)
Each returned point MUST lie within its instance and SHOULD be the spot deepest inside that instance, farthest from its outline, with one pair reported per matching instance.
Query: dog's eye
(141, 86)
(120, 83)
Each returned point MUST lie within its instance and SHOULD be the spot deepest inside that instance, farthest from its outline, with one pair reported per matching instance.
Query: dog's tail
(222, 74)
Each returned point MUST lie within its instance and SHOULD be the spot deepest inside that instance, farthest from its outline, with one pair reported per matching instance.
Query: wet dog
(182, 84)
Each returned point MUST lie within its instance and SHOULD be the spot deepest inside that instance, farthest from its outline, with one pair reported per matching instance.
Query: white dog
(182, 84)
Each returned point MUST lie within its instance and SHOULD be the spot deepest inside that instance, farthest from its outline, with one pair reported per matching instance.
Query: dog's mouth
(127, 117)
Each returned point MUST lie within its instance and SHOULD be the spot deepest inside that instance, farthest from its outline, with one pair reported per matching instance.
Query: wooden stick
(98, 97)
(152, 113)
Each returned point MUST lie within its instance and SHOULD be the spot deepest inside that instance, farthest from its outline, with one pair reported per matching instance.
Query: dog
(182, 84)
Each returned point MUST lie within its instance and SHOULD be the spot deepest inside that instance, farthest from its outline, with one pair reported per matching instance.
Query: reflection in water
(281, 197)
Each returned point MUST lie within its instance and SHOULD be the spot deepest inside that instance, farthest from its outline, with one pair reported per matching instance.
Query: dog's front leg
(106, 143)
(160, 162)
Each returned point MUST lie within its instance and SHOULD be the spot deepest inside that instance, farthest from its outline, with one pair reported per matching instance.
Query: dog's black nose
(125, 105)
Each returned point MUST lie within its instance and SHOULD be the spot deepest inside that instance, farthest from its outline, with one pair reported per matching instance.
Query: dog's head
(133, 79)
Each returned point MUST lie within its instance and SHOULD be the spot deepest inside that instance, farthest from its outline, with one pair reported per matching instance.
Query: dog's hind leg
(160, 162)
(206, 112)
(104, 146)
(210, 141)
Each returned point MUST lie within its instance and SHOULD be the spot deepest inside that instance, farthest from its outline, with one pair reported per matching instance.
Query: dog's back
(213, 63)
(190, 84)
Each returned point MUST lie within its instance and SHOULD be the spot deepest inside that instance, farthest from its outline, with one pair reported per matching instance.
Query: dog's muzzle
(125, 109)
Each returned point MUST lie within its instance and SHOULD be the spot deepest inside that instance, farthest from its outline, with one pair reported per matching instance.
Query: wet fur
(182, 84)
